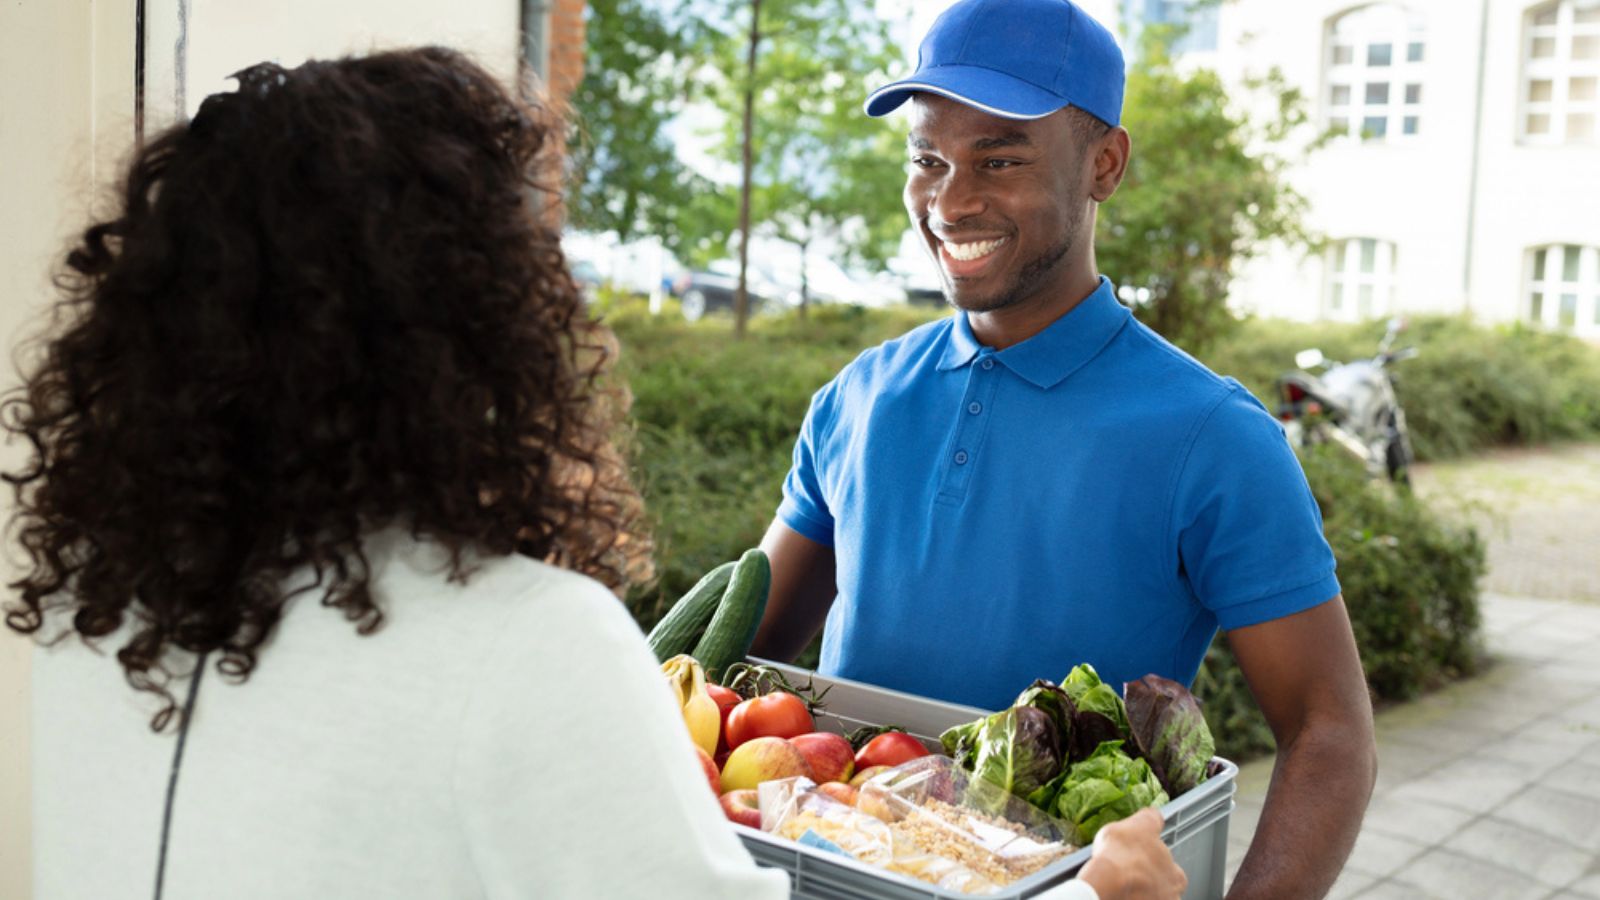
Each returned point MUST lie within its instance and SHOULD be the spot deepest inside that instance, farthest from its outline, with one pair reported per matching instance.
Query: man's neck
(1016, 323)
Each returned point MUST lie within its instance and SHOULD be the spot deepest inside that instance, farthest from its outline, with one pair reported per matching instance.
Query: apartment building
(1465, 176)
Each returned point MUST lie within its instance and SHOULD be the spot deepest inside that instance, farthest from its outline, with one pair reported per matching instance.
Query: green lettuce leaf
(960, 742)
(1017, 749)
(1098, 714)
(1106, 787)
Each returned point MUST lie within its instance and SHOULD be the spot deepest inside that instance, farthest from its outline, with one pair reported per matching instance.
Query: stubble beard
(1028, 278)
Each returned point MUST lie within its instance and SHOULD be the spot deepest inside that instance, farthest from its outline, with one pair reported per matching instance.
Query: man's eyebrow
(1004, 139)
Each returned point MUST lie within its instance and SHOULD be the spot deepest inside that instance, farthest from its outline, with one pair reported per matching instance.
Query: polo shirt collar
(1064, 346)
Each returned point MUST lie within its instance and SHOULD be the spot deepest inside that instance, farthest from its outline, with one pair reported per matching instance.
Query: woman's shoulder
(500, 591)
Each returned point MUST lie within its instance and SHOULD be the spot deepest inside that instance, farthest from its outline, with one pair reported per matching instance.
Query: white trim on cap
(910, 86)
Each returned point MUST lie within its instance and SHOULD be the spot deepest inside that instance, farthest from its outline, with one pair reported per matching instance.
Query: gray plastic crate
(1196, 828)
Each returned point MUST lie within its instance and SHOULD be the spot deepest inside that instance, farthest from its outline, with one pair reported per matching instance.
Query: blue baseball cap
(1020, 59)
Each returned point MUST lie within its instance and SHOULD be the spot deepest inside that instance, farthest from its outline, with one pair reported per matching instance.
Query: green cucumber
(733, 628)
(683, 623)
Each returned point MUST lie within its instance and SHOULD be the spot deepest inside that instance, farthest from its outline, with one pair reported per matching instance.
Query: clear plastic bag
(929, 820)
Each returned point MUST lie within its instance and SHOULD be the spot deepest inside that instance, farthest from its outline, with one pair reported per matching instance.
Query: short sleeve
(1248, 531)
(575, 775)
(804, 507)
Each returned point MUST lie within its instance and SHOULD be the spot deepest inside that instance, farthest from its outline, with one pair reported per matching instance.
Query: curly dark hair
(326, 306)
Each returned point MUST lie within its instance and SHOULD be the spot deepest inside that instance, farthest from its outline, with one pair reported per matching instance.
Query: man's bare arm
(802, 591)
(1306, 676)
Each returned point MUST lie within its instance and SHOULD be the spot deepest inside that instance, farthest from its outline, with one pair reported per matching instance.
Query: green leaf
(1108, 786)
(1017, 749)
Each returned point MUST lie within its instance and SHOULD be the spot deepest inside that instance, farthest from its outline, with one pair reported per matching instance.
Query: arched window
(1360, 282)
(1563, 288)
(1561, 74)
(1372, 73)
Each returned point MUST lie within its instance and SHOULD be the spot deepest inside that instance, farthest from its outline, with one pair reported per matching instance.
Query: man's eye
(999, 163)
(923, 162)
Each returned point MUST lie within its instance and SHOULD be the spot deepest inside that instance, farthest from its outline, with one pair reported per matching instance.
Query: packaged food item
(927, 819)
(793, 808)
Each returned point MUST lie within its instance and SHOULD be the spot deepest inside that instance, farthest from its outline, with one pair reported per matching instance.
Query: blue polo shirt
(1090, 494)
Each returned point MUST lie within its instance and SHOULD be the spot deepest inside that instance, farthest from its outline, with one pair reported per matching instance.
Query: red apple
(830, 755)
(742, 806)
(866, 775)
(763, 759)
(843, 793)
(712, 775)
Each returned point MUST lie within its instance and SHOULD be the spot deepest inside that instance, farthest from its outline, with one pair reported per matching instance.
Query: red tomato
(726, 699)
(778, 714)
(889, 749)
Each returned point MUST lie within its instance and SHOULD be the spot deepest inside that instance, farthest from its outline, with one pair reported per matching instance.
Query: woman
(321, 454)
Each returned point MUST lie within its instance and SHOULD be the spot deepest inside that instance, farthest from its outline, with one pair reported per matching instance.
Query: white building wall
(1418, 191)
(1528, 195)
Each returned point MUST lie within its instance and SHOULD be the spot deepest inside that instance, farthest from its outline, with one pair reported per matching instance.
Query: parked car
(704, 291)
(828, 282)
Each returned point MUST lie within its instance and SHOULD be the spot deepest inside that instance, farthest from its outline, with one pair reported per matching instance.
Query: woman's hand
(1131, 863)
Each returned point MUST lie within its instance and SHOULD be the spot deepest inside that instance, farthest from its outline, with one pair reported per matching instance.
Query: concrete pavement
(1490, 788)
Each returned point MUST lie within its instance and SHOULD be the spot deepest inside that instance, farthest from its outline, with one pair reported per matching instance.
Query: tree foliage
(822, 170)
(1203, 193)
(821, 163)
(638, 76)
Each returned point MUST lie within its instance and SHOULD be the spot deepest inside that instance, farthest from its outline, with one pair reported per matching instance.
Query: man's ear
(1111, 154)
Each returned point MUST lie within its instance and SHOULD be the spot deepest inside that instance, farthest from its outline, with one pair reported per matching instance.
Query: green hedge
(1469, 388)
(717, 419)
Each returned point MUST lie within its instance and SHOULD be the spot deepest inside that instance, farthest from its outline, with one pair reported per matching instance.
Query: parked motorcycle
(1351, 405)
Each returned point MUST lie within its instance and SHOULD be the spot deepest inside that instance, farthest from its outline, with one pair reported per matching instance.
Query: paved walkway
(1491, 788)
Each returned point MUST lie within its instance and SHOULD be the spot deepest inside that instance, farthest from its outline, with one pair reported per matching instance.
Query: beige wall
(66, 88)
(66, 120)
(224, 36)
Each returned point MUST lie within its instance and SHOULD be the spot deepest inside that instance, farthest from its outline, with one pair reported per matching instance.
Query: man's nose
(956, 196)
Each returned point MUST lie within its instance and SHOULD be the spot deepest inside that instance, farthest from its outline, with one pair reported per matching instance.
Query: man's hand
(1306, 676)
(1131, 863)
(802, 590)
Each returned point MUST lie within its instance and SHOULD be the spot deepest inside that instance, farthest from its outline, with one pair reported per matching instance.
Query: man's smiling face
(1000, 203)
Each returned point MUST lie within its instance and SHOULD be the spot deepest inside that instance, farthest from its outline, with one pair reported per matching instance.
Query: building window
(1564, 288)
(1360, 282)
(1561, 74)
(1201, 20)
(1372, 84)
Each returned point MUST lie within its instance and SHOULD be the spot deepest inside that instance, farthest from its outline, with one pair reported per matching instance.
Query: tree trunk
(741, 297)
(805, 284)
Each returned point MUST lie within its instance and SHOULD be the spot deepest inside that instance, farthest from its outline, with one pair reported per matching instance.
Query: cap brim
(992, 92)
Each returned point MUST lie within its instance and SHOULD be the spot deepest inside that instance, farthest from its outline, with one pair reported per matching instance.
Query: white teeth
(974, 250)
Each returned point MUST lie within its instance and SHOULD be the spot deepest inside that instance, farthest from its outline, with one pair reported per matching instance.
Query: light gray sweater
(511, 737)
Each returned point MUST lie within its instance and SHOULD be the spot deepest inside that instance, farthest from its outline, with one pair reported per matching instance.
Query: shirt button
(987, 364)
(974, 407)
(961, 457)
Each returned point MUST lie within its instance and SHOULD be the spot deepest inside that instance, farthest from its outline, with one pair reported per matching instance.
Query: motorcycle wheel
(1396, 462)
(1398, 455)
